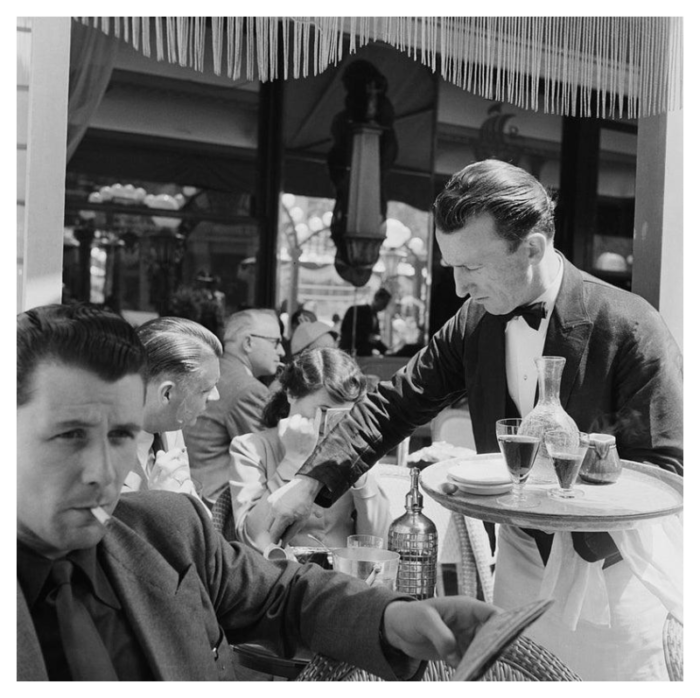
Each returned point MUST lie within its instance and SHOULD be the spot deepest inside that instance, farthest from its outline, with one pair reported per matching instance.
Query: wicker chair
(673, 647)
(522, 660)
(222, 516)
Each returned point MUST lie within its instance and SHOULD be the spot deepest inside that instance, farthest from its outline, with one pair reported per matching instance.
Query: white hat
(309, 332)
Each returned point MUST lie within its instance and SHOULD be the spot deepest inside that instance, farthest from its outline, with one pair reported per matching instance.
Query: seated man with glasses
(252, 350)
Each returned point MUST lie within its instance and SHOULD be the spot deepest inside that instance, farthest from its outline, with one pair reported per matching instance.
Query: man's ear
(165, 391)
(536, 247)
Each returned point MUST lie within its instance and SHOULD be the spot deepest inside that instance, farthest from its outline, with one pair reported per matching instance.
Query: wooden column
(576, 205)
(41, 165)
(270, 159)
(657, 273)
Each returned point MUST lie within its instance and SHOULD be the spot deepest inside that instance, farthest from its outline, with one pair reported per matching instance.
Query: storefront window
(152, 248)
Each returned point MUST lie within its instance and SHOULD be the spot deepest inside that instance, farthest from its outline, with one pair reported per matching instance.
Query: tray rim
(476, 507)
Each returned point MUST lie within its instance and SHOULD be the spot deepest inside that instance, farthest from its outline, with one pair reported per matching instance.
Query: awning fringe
(573, 66)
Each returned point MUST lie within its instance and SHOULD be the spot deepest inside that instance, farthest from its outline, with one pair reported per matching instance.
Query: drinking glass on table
(567, 451)
(519, 452)
(372, 565)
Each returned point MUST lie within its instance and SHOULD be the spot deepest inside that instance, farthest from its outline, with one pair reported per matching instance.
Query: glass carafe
(547, 414)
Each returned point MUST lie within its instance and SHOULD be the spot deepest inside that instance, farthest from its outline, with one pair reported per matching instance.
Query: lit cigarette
(101, 515)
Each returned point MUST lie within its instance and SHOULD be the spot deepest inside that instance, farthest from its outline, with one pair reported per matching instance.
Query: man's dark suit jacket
(188, 594)
(623, 375)
(238, 411)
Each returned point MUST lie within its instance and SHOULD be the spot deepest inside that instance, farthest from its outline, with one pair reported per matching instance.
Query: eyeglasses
(275, 341)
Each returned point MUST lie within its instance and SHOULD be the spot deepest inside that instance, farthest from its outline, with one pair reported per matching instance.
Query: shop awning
(572, 66)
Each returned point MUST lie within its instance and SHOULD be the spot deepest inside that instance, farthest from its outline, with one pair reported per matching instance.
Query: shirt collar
(144, 441)
(550, 294)
(33, 570)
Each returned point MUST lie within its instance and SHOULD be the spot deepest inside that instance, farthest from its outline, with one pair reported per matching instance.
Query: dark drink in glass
(567, 452)
(519, 452)
(566, 467)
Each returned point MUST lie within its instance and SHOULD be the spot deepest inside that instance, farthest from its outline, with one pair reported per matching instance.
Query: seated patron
(314, 382)
(182, 369)
(252, 350)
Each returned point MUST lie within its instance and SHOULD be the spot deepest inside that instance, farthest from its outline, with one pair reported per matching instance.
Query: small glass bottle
(414, 536)
(601, 465)
(548, 414)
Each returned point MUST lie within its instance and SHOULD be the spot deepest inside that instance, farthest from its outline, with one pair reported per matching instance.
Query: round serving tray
(642, 493)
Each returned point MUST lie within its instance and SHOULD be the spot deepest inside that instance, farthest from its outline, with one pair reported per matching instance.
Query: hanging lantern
(365, 226)
(363, 151)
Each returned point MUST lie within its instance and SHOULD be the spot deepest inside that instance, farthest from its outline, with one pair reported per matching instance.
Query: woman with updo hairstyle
(317, 388)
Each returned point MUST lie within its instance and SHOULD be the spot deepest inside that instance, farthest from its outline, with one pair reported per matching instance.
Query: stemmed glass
(567, 451)
(519, 452)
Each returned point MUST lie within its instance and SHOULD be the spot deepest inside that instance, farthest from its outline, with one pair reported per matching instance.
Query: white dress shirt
(524, 345)
(146, 476)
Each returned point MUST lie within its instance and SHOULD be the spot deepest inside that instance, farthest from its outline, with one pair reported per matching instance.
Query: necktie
(532, 314)
(157, 444)
(85, 651)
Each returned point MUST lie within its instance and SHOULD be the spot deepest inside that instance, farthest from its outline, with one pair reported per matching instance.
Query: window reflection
(149, 248)
(306, 275)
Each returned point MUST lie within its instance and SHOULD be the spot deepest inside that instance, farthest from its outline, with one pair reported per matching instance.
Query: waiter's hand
(291, 506)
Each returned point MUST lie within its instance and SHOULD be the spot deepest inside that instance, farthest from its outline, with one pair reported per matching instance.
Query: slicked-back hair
(517, 202)
(308, 372)
(245, 320)
(176, 346)
(79, 335)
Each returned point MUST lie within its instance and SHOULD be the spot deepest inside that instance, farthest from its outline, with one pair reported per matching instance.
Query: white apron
(630, 649)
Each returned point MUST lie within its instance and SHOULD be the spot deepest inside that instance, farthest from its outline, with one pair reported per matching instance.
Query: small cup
(601, 465)
(365, 541)
(381, 566)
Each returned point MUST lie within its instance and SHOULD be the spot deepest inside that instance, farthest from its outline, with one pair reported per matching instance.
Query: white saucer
(488, 469)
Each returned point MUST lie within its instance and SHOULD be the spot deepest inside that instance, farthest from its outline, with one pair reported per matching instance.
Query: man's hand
(290, 507)
(170, 470)
(299, 436)
(438, 628)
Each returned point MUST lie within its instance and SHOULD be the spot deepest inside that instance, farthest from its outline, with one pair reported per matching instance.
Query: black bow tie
(532, 314)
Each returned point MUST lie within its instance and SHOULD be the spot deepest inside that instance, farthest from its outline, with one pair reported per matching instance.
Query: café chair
(454, 426)
(673, 647)
(522, 660)
(222, 515)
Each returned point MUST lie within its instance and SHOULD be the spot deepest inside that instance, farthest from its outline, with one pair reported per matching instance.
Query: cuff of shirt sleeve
(406, 668)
